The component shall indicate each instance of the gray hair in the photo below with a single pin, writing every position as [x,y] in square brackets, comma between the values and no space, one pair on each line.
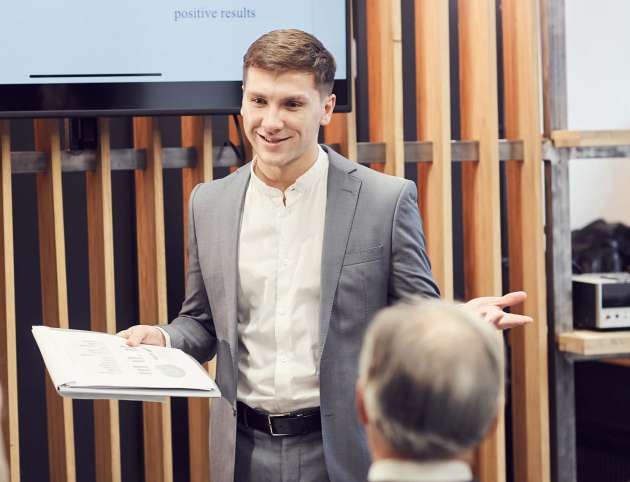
[432,376]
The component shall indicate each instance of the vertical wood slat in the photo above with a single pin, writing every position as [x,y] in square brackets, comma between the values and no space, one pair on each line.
[8,354]
[197,132]
[434,125]
[385,81]
[54,293]
[530,391]
[342,129]
[102,299]
[158,454]
[480,182]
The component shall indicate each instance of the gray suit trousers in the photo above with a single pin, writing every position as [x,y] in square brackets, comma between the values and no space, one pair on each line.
[263,458]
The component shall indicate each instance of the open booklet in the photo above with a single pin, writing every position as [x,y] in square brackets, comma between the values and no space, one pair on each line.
[88,364]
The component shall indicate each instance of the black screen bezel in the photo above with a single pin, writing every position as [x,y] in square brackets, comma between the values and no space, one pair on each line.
[143,98]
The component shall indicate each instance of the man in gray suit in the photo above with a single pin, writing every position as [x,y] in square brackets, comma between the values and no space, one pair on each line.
[289,259]
[430,381]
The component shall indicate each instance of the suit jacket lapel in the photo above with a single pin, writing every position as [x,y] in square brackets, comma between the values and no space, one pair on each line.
[342,196]
[229,226]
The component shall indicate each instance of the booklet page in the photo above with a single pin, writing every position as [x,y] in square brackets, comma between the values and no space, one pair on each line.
[92,359]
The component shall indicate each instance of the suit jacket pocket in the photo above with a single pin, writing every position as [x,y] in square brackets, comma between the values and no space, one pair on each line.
[363,255]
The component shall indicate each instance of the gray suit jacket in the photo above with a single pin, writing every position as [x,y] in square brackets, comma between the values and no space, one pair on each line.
[373,255]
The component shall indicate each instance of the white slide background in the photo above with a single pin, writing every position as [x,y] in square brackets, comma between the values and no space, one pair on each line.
[184,40]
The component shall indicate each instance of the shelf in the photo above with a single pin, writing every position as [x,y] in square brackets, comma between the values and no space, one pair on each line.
[594,343]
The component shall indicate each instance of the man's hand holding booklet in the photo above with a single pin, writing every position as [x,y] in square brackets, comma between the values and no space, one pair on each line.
[87,364]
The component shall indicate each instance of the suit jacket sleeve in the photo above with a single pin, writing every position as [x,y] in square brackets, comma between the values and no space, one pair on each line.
[410,266]
[193,329]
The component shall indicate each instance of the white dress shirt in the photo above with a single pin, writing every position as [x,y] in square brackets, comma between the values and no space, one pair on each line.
[279,267]
[396,470]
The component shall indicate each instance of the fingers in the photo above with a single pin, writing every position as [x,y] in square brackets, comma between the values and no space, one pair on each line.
[505,301]
[134,335]
[512,299]
[510,320]
[494,316]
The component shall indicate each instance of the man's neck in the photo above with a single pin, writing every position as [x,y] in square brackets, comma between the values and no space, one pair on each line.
[283,177]
[382,451]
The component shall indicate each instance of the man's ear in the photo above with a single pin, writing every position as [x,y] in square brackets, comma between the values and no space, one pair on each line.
[329,107]
[361,411]
[243,97]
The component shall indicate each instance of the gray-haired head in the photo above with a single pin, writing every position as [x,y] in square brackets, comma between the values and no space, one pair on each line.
[431,378]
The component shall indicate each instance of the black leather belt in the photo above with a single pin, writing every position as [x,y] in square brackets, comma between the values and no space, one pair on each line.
[281,425]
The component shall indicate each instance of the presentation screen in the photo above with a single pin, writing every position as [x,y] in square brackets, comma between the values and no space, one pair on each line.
[80,57]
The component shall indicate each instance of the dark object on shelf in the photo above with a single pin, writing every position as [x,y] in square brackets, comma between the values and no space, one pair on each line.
[601,247]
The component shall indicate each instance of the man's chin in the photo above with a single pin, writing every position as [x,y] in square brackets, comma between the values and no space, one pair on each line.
[272,158]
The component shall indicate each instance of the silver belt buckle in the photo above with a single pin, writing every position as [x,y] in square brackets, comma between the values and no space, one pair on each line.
[270,425]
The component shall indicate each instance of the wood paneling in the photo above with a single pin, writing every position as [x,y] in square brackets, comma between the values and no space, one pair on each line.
[433,111]
[567,138]
[585,342]
[103,299]
[480,182]
[8,354]
[52,257]
[385,84]
[158,455]
[197,133]
[342,131]
[530,409]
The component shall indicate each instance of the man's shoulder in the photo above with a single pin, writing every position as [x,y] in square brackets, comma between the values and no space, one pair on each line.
[217,187]
[370,178]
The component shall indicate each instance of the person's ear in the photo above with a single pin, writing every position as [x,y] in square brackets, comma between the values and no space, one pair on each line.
[329,107]
[493,425]
[361,411]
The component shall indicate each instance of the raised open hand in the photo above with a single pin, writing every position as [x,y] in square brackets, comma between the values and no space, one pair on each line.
[490,308]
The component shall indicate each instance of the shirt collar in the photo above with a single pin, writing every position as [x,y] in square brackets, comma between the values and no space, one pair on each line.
[412,471]
[302,184]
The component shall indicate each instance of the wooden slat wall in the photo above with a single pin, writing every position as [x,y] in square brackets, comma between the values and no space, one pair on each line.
[103,299]
[197,133]
[8,356]
[433,112]
[158,455]
[480,181]
[385,81]
[479,122]
[530,408]
[54,293]
[342,131]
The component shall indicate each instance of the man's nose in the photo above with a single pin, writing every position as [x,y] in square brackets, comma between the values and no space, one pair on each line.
[271,119]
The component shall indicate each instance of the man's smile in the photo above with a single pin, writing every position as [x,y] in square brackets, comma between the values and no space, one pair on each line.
[272,140]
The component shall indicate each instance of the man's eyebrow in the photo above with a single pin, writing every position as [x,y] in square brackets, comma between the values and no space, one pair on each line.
[292,97]
[252,93]
[296,98]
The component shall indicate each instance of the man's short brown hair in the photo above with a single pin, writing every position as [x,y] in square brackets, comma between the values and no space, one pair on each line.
[292,50]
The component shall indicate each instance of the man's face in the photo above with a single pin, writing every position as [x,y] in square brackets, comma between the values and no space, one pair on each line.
[282,113]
